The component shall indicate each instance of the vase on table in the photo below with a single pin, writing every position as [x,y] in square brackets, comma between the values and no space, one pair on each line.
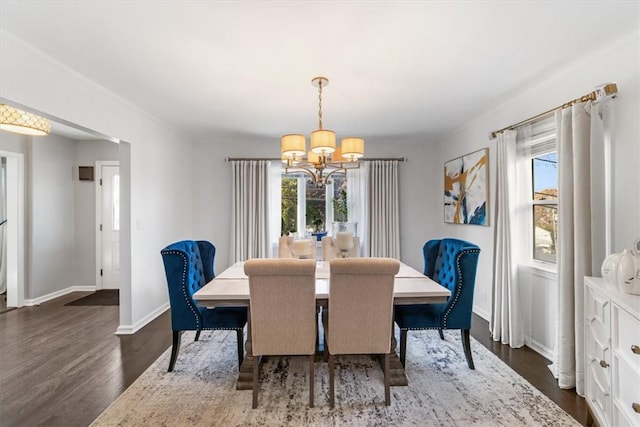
[343,237]
[303,245]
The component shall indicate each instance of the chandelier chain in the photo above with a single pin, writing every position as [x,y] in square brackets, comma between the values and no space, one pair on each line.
[320,104]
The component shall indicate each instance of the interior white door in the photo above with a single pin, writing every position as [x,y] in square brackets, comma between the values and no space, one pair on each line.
[110,227]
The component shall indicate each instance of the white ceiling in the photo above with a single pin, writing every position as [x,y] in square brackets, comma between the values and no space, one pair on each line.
[230,69]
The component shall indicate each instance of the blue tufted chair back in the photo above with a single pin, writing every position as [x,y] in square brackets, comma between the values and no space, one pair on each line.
[453,264]
[188,266]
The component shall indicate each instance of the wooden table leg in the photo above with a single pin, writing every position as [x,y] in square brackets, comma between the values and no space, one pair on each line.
[245,376]
[397,376]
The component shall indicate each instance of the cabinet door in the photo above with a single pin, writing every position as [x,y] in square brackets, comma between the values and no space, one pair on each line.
[598,354]
[626,364]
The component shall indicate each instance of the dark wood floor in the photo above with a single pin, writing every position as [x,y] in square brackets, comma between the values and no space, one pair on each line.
[62,365]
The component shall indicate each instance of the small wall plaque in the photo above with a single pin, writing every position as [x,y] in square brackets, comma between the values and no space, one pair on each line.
[85,173]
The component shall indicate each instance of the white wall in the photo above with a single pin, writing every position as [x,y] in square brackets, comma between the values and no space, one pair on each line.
[13,142]
[49,200]
[86,154]
[159,158]
[619,62]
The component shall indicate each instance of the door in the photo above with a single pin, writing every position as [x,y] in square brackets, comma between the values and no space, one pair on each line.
[110,226]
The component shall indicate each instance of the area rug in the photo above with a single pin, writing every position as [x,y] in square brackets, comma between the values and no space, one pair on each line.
[101,297]
[442,390]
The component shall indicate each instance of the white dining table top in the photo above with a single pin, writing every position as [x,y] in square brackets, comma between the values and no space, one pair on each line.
[233,285]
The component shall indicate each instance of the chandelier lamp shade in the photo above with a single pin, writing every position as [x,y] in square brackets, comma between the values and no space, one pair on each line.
[19,121]
[325,158]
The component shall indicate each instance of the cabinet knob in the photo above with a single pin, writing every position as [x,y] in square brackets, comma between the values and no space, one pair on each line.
[636,407]
[635,349]
[604,364]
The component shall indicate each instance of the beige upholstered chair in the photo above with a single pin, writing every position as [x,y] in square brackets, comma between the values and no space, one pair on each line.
[360,315]
[282,312]
[329,250]
[284,247]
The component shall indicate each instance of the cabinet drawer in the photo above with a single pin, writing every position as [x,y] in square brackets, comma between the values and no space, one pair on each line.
[620,419]
[598,315]
[626,334]
[626,389]
[598,391]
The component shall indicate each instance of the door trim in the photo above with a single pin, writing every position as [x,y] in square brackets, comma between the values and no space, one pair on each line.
[16,220]
[98,216]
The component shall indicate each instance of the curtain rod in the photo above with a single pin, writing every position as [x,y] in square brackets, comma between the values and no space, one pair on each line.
[368,159]
[607,90]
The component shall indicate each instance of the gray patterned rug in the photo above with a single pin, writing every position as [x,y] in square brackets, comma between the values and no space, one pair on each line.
[442,391]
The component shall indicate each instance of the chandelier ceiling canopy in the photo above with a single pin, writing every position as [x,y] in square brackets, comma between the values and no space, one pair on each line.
[324,158]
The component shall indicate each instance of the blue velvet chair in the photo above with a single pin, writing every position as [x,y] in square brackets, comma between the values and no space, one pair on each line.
[452,263]
[189,266]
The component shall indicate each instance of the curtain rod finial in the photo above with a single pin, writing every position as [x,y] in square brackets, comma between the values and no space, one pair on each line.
[605,91]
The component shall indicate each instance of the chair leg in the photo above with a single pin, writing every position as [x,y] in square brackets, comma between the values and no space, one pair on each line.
[331,382]
[175,348]
[312,375]
[441,334]
[198,334]
[240,339]
[466,344]
[403,345]
[256,381]
[387,391]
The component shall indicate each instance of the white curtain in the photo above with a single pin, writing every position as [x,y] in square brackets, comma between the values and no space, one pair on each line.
[573,126]
[275,207]
[357,204]
[3,227]
[506,320]
[249,210]
[384,211]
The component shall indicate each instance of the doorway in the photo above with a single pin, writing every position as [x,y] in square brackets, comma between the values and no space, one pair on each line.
[12,237]
[108,225]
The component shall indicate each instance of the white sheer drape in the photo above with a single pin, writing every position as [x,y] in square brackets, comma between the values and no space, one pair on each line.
[275,207]
[506,319]
[384,211]
[3,227]
[357,204]
[574,241]
[249,210]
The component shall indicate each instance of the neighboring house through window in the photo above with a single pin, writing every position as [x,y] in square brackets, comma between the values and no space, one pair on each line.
[538,170]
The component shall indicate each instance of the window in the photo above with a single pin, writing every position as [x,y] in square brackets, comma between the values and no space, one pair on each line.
[545,206]
[307,207]
[289,223]
[538,170]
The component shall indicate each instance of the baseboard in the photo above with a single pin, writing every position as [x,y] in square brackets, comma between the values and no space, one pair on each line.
[132,329]
[58,294]
[484,314]
[539,348]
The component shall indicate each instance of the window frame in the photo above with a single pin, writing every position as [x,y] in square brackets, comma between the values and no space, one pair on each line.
[542,202]
[301,189]
[534,140]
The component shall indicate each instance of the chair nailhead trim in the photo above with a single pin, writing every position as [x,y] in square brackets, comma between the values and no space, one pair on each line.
[456,296]
[184,287]
[459,287]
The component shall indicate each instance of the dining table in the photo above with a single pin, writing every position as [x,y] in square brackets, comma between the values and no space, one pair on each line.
[231,289]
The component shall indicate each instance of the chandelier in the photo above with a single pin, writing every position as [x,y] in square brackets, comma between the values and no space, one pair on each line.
[325,158]
[18,121]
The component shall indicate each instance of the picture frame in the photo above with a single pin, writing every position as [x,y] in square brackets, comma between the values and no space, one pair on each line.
[466,189]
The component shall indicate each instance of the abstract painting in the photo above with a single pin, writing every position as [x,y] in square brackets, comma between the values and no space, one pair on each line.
[466,189]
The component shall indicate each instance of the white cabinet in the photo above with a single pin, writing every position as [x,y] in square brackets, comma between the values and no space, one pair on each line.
[612,353]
